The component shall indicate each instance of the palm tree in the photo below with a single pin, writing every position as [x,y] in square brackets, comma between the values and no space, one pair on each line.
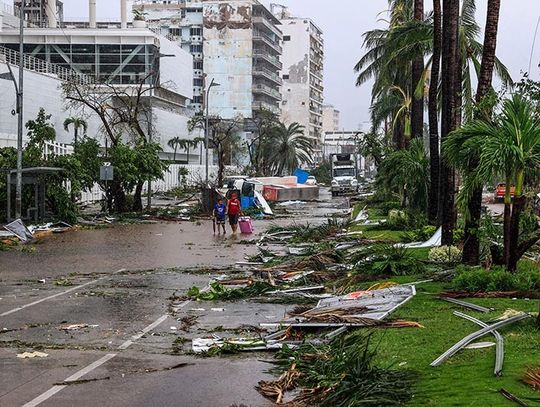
[288,148]
[391,51]
[78,124]
[175,143]
[417,77]
[433,115]
[507,147]
[471,248]
[450,92]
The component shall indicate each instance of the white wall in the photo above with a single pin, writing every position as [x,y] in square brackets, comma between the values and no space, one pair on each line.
[177,70]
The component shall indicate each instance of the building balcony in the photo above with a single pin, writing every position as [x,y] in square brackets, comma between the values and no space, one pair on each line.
[264,22]
[259,36]
[259,105]
[259,54]
[266,90]
[316,73]
[268,74]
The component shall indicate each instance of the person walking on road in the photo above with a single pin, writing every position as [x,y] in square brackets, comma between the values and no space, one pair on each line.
[219,216]
[234,210]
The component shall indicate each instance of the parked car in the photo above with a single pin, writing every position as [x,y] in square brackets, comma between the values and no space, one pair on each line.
[500,192]
[311,180]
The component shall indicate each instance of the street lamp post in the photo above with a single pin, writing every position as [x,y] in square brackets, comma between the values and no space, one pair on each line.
[18,193]
[207,127]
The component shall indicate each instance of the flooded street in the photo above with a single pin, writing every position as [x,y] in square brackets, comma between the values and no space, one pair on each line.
[107,307]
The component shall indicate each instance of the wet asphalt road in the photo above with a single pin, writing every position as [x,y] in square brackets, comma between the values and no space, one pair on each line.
[125,284]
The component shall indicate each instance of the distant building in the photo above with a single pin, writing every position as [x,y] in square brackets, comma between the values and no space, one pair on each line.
[37,12]
[331,119]
[241,51]
[303,56]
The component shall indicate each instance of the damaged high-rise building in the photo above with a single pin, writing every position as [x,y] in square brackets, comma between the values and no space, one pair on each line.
[236,43]
[303,57]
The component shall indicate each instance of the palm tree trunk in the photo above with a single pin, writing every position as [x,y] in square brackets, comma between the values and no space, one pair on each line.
[450,91]
[174,154]
[433,114]
[513,229]
[187,154]
[471,249]
[506,221]
[417,108]
[76,134]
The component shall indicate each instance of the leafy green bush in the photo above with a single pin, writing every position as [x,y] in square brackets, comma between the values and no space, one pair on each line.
[445,254]
[496,279]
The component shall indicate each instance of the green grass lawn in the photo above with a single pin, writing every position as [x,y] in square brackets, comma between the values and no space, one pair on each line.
[467,378]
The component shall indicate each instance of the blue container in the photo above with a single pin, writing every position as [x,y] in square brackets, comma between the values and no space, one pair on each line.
[247,202]
[301,175]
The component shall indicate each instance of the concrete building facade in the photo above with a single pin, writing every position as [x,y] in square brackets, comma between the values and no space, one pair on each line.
[331,119]
[303,59]
[236,43]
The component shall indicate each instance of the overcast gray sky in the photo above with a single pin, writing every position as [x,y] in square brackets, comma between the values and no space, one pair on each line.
[344,22]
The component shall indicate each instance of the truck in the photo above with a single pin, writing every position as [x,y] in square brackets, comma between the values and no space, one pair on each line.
[344,174]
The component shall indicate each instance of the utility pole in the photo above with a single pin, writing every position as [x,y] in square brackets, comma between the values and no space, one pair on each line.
[20,111]
[207,127]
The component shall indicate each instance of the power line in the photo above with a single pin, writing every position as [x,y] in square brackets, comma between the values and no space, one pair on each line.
[533,44]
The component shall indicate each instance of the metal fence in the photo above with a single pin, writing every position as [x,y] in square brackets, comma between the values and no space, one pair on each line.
[171,179]
[33,64]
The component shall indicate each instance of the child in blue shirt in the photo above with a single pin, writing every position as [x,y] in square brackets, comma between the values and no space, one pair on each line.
[219,216]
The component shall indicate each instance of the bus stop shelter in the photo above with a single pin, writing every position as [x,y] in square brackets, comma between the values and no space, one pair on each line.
[31,176]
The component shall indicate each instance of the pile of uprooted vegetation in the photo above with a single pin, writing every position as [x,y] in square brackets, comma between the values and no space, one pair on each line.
[342,373]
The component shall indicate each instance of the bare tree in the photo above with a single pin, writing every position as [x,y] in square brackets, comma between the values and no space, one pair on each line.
[223,138]
[125,112]
[263,123]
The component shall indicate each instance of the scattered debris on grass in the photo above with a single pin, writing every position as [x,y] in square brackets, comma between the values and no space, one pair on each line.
[532,377]
[509,396]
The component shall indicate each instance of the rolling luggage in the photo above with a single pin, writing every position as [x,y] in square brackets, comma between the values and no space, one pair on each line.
[246,225]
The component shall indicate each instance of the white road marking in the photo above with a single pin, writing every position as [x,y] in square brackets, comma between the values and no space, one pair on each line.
[134,338]
[56,295]
[55,389]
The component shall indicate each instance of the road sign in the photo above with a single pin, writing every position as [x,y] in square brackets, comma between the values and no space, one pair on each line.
[106,173]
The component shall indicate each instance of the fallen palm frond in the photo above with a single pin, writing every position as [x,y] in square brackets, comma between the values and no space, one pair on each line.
[342,373]
[310,233]
[334,315]
[218,291]
[319,261]
[532,377]
[275,390]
